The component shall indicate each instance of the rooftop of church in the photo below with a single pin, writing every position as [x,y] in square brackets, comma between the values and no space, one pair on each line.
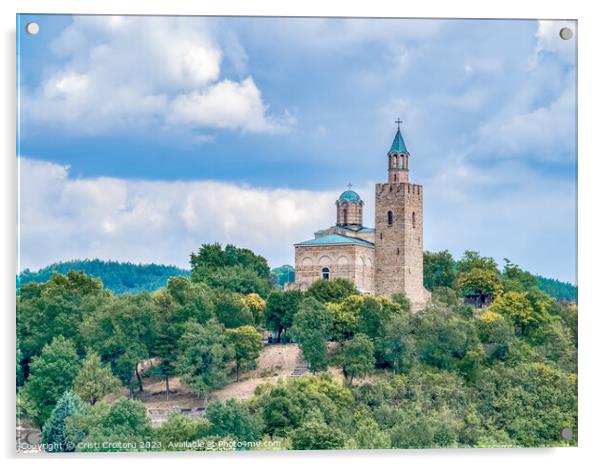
[337,239]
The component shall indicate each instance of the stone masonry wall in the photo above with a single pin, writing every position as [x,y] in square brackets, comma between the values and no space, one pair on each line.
[352,262]
[399,246]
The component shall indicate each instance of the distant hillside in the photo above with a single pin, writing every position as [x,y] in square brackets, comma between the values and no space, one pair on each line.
[117,277]
[557,289]
[128,277]
[283,274]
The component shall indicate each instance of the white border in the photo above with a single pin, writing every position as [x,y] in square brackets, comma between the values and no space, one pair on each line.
[590,156]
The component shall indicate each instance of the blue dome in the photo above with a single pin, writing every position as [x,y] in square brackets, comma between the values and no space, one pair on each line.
[350,195]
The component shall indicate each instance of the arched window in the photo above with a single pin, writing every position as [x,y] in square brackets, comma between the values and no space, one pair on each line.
[390,217]
[325,274]
[413,220]
[344,216]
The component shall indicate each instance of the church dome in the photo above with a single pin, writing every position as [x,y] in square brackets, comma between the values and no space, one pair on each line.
[350,195]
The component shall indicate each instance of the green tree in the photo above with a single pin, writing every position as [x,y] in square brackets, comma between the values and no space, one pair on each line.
[472,260]
[374,314]
[402,300]
[313,326]
[52,373]
[122,332]
[20,373]
[180,302]
[315,434]
[334,291]
[232,419]
[52,309]
[484,284]
[514,278]
[525,312]
[121,426]
[205,352]
[287,404]
[231,310]
[346,316]
[357,357]
[398,346]
[234,269]
[368,435]
[247,344]
[447,340]
[497,334]
[256,306]
[438,270]
[280,309]
[532,402]
[179,429]
[54,435]
[94,380]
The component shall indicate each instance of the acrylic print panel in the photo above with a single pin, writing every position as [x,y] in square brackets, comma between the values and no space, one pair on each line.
[252,233]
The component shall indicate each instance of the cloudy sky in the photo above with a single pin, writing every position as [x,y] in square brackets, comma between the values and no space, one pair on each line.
[143,137]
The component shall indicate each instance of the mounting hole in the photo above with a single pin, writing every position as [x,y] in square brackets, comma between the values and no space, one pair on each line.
[32,28]
[566,433]
[566,33]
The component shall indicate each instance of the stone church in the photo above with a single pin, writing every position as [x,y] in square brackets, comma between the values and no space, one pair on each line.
[383,260]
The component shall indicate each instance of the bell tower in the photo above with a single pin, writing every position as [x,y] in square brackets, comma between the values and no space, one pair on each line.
[399,158]
[398,246]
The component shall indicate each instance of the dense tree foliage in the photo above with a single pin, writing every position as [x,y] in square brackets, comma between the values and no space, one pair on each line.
[231,268]
[438,269]
[232,419]
[116,276]
[204,351]
[455,374]
[55,308]
[312,326]
[357,357]
[557,289]
[334,291]
[122,332]
[94,380]
[52,373]
[280,309]
[121,426]
[247,343]
[54,436]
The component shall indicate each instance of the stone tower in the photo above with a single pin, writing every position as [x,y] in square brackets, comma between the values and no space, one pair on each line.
[398,236]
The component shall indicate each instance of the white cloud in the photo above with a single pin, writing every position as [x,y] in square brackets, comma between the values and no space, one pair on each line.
[549,40]
[137,71]
[153,221]
[545,133]
[511,212]
[226,104]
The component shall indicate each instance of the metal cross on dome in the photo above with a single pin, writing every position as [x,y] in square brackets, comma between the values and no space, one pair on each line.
[349,185]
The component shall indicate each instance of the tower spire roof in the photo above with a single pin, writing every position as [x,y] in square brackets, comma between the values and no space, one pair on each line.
[399,144]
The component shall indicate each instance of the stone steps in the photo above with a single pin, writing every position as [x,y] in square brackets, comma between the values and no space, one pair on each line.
[301,368]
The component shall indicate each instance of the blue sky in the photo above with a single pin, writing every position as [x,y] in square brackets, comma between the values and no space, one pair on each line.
[142,137]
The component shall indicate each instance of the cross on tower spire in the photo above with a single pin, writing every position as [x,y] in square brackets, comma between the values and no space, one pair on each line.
[399,122]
